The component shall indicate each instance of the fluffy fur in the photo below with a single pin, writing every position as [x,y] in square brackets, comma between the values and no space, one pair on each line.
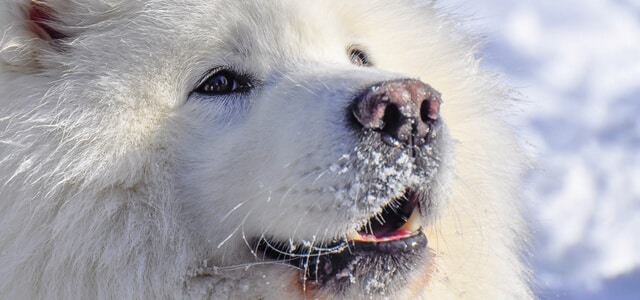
[118,182]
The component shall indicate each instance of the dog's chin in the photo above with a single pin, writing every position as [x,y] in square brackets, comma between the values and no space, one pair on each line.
[376,258]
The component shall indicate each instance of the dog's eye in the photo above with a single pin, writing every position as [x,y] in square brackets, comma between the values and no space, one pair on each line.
[359,57]
[224,82]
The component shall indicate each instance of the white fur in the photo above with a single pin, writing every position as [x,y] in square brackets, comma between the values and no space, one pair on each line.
[117,183]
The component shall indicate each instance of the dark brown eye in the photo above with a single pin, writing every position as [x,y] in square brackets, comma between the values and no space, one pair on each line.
[224,82]
[359,57]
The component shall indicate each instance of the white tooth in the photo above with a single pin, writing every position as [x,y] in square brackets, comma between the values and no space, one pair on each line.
[414,222]
[353,235]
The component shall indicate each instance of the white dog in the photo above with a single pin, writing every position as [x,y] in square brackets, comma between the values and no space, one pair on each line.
[245,149]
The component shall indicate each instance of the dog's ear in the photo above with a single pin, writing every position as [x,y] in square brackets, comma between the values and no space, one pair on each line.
[43,20]
[33,31]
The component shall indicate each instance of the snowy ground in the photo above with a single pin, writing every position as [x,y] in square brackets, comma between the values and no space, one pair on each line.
[576,64]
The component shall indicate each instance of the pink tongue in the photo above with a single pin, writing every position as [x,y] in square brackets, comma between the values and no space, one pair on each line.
[386,236]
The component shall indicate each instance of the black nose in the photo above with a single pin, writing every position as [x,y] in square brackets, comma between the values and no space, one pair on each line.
[403,111]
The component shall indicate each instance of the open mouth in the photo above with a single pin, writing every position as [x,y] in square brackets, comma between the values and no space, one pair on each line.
[398,220]
[390,237]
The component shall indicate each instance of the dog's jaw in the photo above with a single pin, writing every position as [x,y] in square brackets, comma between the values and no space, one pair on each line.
[374,260]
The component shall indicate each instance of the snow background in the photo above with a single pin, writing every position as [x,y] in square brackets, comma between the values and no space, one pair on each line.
[576,65]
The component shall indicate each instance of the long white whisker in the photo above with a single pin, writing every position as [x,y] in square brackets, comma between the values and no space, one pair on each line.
[228,237]
[232,210]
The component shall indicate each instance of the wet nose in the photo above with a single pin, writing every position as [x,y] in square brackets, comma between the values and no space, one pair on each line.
[403,111]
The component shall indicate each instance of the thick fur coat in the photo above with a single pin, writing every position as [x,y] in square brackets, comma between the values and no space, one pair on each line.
[122,176]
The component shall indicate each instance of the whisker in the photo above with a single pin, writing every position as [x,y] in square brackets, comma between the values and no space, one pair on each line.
[232,210]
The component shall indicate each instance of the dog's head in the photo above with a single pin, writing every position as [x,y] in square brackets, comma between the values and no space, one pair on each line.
[308,152]
[304,143]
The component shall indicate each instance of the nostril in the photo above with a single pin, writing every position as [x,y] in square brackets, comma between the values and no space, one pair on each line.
[392,123]
[392,118]
[425,111]
[429,110]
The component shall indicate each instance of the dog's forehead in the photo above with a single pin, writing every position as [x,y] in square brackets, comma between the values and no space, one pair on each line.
[238,31]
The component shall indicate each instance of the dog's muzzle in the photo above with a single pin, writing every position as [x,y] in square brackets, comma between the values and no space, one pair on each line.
[395,119]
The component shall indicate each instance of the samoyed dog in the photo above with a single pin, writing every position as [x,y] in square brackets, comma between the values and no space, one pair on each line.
[285,149]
